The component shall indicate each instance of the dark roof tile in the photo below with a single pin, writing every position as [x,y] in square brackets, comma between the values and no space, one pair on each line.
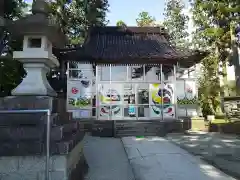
[132,45]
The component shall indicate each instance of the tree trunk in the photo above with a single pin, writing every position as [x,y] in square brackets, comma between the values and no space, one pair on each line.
[235,58]
[225,81]
[218,109]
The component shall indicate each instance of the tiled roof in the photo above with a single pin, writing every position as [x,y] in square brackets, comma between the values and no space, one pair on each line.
[130,45]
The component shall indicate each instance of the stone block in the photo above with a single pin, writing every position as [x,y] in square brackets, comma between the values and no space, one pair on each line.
[67,144]
[32,163]
[28,102]
[58,175]
[21,133]
[59,163]
[54,175]
[59,132]
[22,148]
[14,120]
[80,170]
[75,156]
[20,176]
[8,165]
[62,167]
[103,128]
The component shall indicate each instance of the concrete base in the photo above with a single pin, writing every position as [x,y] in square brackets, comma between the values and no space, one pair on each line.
[62,167]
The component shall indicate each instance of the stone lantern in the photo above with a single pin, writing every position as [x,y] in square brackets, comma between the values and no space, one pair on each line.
[39,33]
[33,115]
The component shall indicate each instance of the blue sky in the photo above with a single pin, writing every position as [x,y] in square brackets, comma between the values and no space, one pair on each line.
[128,10]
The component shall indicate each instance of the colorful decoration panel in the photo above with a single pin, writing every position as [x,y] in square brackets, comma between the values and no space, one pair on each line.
[186,92]
[79,94]
[161,100]
[186,97]
[111,98]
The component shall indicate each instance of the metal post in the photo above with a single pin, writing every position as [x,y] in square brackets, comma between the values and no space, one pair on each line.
[68,70]
[97,97]
[48,143]
[174,94]
[185,95]
[162,86]
[110,118]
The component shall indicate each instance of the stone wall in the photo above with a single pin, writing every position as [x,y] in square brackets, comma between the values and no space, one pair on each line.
[33,167]
[23,141]
[232,107]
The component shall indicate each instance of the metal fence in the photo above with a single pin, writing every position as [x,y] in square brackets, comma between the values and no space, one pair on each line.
[48,112]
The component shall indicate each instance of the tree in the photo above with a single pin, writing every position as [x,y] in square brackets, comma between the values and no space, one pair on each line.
[214,21]
[121,23]
[144,19]
[11,71]
[176,22]
[75,19]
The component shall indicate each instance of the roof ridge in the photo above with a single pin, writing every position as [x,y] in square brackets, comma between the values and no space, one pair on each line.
[128,30]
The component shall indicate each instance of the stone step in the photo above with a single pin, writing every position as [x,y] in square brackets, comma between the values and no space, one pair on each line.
[135,128]
[22,148]
[34,132]
[59,132]
[137,134]
[27,147]
[10,119]
[66,144]
[21,133]
[22,119]
[103,128]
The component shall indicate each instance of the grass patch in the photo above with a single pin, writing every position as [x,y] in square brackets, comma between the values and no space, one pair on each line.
[220,121]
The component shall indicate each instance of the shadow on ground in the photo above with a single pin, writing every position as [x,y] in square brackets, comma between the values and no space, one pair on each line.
[222,151]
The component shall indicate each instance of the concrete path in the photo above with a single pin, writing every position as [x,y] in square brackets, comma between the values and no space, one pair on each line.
[158,159]
[107,159]
[222,150]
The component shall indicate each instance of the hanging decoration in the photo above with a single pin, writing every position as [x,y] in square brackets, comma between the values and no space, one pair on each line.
[186,94]
[110,100]
[78,95]
[161,100]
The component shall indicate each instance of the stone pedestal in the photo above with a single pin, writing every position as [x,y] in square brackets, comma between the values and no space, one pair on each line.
[23,141]
[37,63]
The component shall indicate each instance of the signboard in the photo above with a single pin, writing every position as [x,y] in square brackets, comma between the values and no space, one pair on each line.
[79,95]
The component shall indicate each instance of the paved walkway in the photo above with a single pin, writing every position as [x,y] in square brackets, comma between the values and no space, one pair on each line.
[107,159]
[219,149]
[158,159]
